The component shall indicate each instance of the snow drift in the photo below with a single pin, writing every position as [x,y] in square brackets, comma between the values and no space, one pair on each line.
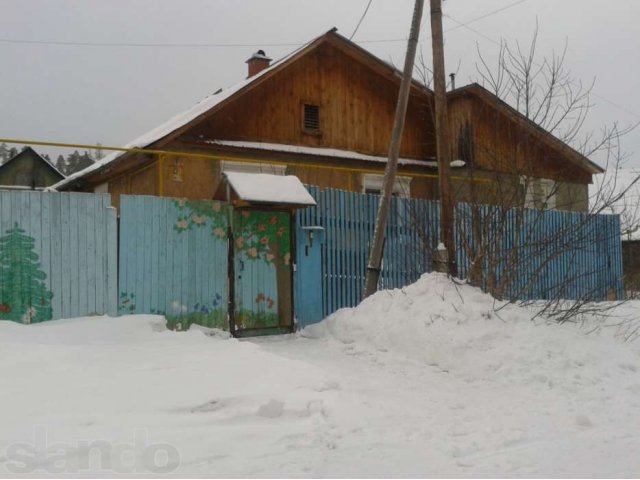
[433,380]
[467,333]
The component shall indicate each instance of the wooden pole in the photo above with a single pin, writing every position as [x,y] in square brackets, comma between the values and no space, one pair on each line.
[442,137]
[377,246]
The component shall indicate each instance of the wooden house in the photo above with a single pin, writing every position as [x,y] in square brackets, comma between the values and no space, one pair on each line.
[324,113]
[28,171]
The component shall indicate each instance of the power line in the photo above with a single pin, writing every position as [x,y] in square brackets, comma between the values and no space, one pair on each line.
[361,19]
[481,17]
[233,45]
[161,45]
[174,45]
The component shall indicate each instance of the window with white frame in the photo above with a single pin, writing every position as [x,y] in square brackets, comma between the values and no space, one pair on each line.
[372,183]
[245,167]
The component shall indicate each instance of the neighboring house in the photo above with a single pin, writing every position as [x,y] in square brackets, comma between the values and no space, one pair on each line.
[28,171]
[325,113]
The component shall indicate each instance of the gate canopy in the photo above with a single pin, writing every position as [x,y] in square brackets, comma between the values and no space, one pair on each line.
[262,188]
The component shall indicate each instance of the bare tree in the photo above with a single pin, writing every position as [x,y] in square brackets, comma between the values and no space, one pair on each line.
[501,227]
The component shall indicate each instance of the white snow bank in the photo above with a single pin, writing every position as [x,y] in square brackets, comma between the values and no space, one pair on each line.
[122,380]
[468,334]
[427,381]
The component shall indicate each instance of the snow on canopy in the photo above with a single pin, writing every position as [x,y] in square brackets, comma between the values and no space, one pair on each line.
[266,188]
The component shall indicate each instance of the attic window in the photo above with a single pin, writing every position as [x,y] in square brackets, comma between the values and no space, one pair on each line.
[311,120]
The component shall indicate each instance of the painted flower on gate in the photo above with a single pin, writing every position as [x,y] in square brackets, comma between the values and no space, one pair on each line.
[182,224]
[287,258]
[273,220]
[219,232]
[252,252]
[281,231]
[216,206]
[264,240]
[198,220]
[270,257]
[240,242]
[262,227]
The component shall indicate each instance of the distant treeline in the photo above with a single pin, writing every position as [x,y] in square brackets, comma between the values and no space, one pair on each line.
[67,165]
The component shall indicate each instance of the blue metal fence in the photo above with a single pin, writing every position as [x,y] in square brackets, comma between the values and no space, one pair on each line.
[525,255]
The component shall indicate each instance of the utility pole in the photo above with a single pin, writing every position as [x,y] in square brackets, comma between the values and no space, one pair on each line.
[375,255]
[442,138]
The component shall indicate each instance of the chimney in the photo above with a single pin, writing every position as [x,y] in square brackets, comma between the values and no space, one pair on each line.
[452,76]
[258,62]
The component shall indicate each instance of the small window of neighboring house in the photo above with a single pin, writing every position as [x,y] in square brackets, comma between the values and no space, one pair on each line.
[311,118]
[253,168]
[372,183]
[539,192]
[102,188]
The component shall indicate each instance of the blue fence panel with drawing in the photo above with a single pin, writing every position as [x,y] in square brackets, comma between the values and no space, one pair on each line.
[58,255]
[174,259]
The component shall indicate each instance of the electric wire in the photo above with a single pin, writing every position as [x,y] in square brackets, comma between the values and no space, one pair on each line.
[361,19]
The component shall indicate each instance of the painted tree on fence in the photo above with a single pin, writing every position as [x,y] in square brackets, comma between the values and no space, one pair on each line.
[260,236]
[24,296]
[266,236]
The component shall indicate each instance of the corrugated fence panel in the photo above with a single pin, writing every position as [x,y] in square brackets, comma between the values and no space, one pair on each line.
[526,254]
[56,253]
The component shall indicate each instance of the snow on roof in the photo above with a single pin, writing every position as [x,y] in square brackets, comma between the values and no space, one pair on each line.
[179,120]
[322,152]
[263,187]
[618,192]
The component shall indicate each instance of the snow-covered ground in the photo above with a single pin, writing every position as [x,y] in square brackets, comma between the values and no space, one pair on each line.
[425,381]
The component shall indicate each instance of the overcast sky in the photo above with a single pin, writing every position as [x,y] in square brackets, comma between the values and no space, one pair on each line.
[111,94]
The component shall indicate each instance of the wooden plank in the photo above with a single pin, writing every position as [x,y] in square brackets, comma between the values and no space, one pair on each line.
[154,206]
[81,221]
[74,256]
[139,240]
[125,265]
[91,254]
[147,221]
[183,260]
[45,244]
[99,207]
[112,256]
[161,240]
[33,225]
[170,287]
[56,254]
